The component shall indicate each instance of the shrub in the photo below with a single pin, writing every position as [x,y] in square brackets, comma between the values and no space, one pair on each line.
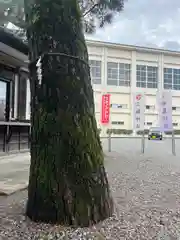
[119,131]
[140,132]
[176,132]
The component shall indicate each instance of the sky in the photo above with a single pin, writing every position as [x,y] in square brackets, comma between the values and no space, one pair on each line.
[153,23]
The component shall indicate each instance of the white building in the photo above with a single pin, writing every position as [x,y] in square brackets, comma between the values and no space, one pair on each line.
[121,70]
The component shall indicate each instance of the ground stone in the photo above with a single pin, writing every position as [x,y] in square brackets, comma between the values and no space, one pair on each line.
[146,194]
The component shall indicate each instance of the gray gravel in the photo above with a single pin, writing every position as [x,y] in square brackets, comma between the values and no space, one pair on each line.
[146,192]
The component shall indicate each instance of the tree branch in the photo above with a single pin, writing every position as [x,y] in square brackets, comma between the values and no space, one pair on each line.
[88,11]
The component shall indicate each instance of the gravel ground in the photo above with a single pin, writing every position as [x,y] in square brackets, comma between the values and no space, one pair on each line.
[147,204]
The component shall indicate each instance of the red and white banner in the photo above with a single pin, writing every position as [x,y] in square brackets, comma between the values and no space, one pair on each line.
[105,111]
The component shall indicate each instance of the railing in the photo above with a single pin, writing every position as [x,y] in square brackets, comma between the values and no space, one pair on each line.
[14,136]
[141,144]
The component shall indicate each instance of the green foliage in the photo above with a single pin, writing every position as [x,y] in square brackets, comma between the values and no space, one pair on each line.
[95,13]
[119,131]
[140,132]
[176,132]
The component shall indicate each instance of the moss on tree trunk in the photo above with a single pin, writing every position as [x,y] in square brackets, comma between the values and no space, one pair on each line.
[68,182]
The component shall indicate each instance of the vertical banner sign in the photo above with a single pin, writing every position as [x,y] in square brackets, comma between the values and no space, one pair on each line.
[165,111]
[139,111]
[105,111]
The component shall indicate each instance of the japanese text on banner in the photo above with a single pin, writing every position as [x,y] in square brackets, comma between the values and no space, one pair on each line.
[138,116]
[105,108]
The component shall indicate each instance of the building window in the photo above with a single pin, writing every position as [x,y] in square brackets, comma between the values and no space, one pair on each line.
[174,108]
[176,79]
[3,100]
[95,69]
[12,93]
[150,107]
[149,123]
[118,74]
[168,76]
[171,78]
[123,106]
[117,122]
[22,90]
[146,76]
[7,75]
[175,124]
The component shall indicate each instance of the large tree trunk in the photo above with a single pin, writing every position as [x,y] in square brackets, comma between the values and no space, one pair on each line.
[68,182]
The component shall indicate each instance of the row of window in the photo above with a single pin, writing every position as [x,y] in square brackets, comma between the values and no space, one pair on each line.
[147,123]
[119,74]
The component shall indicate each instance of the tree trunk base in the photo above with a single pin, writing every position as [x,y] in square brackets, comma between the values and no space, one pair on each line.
[82,205]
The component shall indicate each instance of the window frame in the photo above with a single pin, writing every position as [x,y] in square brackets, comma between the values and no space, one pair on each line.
[7,99]
[143,76]
[118,106]
[22,117]
[173,85]
[117,123]
[95,79]
[7,75]
[122,69]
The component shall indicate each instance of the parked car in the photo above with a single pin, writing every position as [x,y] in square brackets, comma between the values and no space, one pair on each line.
[155,133]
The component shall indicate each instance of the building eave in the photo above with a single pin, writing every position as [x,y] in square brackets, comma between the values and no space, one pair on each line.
[12,49]
[12,41]
[132,47]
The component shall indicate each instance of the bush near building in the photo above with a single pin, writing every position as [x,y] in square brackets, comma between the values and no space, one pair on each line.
[176,132]
[119,131]
[129,132]
[146,131]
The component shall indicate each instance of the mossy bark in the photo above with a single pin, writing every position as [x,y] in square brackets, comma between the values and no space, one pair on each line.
[68,182]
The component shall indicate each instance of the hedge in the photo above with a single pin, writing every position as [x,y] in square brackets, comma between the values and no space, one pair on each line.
[176,132]
[119,131]
[140,132]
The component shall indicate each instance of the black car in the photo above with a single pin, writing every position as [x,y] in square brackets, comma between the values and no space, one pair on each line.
[155,133]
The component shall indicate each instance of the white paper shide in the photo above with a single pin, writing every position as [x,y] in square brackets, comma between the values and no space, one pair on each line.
[139,111]
[39,70]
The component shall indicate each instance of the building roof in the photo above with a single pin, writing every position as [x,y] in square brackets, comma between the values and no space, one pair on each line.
[12,41]
[132,47]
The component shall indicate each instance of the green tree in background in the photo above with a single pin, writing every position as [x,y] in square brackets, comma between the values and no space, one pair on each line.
[95,13]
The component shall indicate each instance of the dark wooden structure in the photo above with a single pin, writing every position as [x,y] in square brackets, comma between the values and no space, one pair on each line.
[14,94]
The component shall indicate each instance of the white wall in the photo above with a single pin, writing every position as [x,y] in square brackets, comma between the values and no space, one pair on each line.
[123,95]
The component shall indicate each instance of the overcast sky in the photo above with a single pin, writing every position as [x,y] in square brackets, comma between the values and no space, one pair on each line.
[146,23]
